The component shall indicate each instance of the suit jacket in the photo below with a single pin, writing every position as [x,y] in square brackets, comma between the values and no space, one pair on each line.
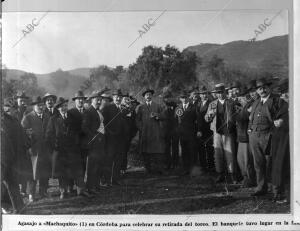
[90,124]
[203,125]
[39,146]
[113,120]
[187,122]
[20,113]
[229,115]
[55,112]
[75,124]
[273,106]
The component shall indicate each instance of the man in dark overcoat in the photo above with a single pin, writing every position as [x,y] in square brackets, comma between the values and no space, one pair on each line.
[35,123]
[62,143]
[114,136]
[204,134]
[11,143]
[280,147]
[93,128]
[78,162]
[186,116]
[149,120]
[130,129]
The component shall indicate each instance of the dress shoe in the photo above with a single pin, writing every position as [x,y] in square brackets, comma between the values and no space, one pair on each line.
[258,193]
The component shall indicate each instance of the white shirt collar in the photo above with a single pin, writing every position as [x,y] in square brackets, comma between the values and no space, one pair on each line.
[263,100]
[222,101]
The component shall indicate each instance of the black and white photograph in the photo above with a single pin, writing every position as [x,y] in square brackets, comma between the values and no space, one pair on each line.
[148,112]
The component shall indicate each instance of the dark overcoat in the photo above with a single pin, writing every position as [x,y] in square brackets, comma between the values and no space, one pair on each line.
[66,151]
[280,147]
[114,129]
[151,129]
[187,122]
[39,151]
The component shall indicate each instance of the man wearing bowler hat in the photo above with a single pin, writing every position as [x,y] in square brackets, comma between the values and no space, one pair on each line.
[114,136]
[151,136]
[204,134]
[50,100]
[93,128]
[35,123]
[220,114]
[261,122]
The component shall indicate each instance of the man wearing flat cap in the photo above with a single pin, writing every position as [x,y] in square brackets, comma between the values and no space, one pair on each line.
[151,136]
[220,114]
[93,128]
[114,136]
[261,122]
[35,123]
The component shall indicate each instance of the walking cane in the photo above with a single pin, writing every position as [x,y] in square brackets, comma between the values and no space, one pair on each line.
[112,172]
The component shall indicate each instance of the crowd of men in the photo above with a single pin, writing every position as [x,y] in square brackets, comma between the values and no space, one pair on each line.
[240,133]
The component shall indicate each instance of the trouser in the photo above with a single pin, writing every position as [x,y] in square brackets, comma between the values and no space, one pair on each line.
[126,148]
[95,164]
[172,151]
[188,152]
[43,186]
[224,150]
[259,148]
[245,161]
[84,156]
[206,153]
[11,187]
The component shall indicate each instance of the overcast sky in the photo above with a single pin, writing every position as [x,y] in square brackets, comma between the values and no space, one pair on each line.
[70,40]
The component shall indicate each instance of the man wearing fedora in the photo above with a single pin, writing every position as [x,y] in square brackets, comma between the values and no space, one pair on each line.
[186,116]
[261,123]
[75,116]
[35,123]
[151,136]
[220,114]
[204,134]
[114,136]
[22,109]
[280,148]
[93,128]
[62,144]
[50,100]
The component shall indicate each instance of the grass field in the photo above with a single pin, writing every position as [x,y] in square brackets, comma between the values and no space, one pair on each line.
[170,194]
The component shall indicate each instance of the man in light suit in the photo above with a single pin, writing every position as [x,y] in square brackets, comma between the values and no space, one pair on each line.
[35,123]
[221,114]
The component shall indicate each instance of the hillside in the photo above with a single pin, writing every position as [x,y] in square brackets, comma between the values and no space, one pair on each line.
[269,55]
